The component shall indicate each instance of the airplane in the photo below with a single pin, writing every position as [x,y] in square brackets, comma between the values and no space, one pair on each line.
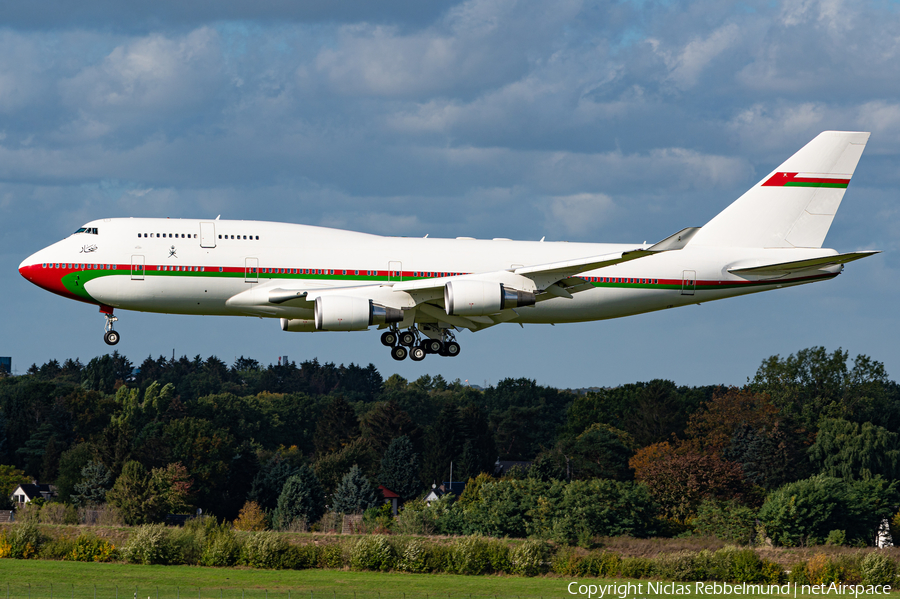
[421,291]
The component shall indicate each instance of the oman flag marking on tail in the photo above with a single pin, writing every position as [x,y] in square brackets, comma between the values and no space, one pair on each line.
[806,180]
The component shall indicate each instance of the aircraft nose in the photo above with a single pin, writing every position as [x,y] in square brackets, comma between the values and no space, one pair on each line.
[25,267]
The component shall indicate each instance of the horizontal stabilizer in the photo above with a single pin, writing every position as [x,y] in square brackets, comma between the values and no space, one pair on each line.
[786,268]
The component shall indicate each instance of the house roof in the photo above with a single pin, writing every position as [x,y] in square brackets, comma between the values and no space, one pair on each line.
[387,493]
[33,491]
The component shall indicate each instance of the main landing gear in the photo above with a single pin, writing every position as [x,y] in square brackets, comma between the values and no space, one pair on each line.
[412,344]
[110,336]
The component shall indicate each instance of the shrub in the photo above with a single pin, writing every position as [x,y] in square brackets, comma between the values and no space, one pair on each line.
[799,574]
[836,537]
[251,517]
[470,556]
[636,567]
[438,559]
[58,513]
[412,556]
[58,548]
[331,555]
[676,566]
[726,520]
[187,545]
[415,519]
[263,550]
[22,540]
[379,518]
[372,553]
[807,510]
[746,566]
[300,557]
[528,558]
[824,569]
[591,508]
[151,544]
[89,548]
[499,556]
[221,548]
[878,569]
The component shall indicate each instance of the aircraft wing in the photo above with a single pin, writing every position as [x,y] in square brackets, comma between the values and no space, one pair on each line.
[558,278]
[426,296]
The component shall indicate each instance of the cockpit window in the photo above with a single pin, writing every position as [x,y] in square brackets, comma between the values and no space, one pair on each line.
[89,230]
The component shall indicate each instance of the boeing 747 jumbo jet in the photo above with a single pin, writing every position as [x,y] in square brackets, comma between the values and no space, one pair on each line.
[422,291]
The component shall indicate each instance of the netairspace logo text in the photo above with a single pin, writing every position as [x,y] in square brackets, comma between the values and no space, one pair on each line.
[627,590]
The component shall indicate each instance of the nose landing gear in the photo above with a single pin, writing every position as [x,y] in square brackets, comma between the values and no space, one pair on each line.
[110,336]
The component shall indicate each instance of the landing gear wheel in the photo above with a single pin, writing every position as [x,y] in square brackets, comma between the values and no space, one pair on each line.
[433,346]
[399,353]
[111,337]
[417,354]
[389,338]
[451,349]
[407,338]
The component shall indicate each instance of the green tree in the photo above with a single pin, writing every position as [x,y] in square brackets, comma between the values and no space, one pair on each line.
[302,497]
[171,491]
[10,478]
[131,494]
[855,451]
[270,480]
[769,457]
[355,493]
[332,467]
[337,426]
[95,481]
[400,469]
[104,373]
[813,383]
[806,511]
[602,451]
[71,463]
[385,422]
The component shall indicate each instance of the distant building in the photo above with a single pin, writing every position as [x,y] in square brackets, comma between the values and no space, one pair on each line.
[6,364]
[456,487]
[390,498]
[28,492]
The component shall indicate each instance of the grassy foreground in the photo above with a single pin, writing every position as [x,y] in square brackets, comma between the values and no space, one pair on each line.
[38,579]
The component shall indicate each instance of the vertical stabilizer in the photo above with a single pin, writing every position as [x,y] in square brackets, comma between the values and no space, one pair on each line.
[794,205]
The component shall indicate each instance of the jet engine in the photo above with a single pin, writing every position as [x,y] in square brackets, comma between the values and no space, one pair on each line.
[344,313]
[478,298]
[298,325]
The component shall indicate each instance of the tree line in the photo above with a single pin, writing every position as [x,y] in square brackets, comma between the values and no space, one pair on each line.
[300,440]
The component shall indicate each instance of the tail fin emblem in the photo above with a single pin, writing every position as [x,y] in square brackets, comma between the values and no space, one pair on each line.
[793,180]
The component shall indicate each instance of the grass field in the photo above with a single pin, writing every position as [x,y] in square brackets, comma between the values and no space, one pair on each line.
[36,579]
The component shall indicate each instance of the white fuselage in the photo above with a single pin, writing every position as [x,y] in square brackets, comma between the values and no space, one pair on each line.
[187,266]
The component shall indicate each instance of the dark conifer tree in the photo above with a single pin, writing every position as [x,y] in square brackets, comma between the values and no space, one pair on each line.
[400,469]
[355,493]
[302,497]
[337,426]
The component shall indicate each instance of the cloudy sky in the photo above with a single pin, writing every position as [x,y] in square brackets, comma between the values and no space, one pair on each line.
[618,121]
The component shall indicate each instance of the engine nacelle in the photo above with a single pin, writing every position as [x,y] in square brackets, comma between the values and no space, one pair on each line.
[478,298]
[298,325]
[346,313]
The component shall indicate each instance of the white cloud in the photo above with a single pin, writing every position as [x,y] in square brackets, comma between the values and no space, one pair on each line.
[687,65]
[148,77]
[578,214]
